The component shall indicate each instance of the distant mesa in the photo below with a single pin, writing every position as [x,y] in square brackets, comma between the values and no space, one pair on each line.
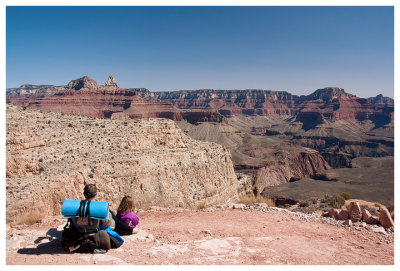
[381,101]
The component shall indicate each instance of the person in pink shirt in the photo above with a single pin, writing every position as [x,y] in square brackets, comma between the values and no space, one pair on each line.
[126,213]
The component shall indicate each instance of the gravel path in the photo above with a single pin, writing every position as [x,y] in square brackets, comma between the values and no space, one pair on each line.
[242,235]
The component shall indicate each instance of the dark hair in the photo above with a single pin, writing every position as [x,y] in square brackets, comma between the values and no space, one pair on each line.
[90,191]
[126,205]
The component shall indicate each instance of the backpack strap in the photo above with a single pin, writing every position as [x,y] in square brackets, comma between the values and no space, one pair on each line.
[88,212]
[84,210]
[68,223]
[81,210]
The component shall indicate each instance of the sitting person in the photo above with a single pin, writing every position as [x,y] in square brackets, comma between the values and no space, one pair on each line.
[84,234]
[126,214]
[85,225]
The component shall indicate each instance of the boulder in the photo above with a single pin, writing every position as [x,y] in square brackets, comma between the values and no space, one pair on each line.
[384,218]
[343,215]
[366,215]
[368,218]
[333,213]
[355,214]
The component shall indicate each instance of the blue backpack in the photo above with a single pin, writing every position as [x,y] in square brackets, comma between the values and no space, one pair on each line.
[85,215]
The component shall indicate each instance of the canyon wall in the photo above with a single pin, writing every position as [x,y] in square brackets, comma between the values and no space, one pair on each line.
[329,104]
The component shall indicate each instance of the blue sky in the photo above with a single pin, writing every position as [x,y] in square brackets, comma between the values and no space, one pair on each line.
[295,49]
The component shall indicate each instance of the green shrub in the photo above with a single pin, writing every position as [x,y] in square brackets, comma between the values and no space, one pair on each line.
[250,199]
[337,202]
[28,218]
[346,195]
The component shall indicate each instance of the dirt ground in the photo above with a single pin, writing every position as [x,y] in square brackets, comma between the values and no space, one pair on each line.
[226,236]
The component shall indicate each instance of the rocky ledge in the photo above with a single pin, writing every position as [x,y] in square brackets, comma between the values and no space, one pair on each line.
[51,156]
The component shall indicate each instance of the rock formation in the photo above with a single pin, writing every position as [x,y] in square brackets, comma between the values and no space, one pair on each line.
[384,217]
[269,162]
[368,218]
[33,90]
[274,136]
[83,83]
[111,81]
[51,156]
[355,214]
[343,215]
[85,97]
[328,104]
[332,103]
[381,101]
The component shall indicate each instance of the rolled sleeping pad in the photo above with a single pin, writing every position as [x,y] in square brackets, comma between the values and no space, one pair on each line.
[98,209]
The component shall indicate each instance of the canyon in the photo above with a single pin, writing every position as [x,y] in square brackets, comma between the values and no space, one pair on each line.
[195,162]
[275,138]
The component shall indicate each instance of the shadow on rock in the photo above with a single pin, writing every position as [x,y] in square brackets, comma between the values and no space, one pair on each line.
[52,247]
[55,233]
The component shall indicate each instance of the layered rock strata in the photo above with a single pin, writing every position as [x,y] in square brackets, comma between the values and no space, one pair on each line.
[86,97]
[330,104]
[51,156]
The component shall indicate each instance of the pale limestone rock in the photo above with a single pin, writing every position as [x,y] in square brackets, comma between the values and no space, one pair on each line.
[111,81]
[380,230]
[238,206]
[150,159]
[13,244]
[107,259]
